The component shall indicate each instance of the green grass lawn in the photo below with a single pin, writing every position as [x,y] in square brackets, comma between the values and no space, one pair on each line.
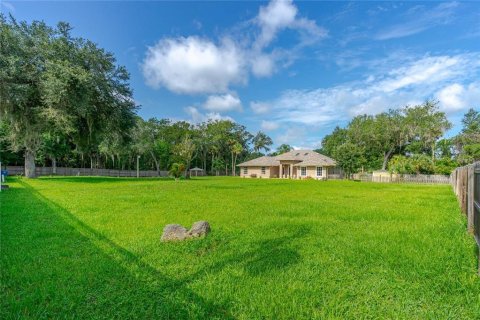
[90,248]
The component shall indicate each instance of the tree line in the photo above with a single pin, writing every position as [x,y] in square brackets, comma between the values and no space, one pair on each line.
[406,140]
[160,144]
[65,101]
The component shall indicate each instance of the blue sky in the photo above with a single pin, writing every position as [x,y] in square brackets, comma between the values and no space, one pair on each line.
[292,69]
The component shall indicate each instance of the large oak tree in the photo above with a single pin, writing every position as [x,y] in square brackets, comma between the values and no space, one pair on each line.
[50,79]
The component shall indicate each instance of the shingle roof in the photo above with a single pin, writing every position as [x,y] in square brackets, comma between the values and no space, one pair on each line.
[312,158]
[264,161]
[306,158]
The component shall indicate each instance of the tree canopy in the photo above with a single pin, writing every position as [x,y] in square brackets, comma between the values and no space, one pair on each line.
[54,84]
[406,140]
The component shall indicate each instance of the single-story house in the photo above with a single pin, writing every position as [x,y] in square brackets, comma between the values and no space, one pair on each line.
[296,164]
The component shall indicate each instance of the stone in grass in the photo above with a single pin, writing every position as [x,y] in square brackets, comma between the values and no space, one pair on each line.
[199,229]
[173,232]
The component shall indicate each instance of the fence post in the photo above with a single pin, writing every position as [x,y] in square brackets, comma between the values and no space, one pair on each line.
[470,194]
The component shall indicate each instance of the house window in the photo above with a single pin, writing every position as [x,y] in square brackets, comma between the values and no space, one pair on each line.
[303,171]
[319,171]
[245,170]
[263,170]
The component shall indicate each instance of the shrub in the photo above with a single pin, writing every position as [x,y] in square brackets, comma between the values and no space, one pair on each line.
[445,165]
[176,170]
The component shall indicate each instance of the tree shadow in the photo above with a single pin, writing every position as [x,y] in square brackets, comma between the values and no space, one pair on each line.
[78,271]
[271,256]
[264,257]
[124,283]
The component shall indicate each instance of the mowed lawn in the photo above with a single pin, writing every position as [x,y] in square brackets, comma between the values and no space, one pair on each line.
[90,248]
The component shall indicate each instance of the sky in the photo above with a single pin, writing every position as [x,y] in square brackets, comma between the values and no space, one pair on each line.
[294,70]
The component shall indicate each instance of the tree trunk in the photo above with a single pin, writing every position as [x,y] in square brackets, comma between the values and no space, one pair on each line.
[386,157]
[204,156]
[213,158]
[234,173]
[30,164]
[157,165]
[54,165]
[187,167]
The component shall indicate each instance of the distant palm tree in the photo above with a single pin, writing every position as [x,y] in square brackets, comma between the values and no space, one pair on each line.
[283,148]
[237,148]
[261,141]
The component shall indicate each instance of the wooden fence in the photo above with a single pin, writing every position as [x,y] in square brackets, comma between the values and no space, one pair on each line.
[466,185]
[403,178]
[61,171]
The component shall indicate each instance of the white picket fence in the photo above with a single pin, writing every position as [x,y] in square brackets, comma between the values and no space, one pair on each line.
[403,178]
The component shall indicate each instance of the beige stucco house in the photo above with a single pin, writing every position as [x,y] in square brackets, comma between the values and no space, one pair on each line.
[296,164]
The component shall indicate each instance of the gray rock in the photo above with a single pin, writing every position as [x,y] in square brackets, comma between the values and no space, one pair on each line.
[173,232]
[199,228]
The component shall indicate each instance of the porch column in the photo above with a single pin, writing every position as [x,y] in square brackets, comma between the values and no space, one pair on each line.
[291,170]
[280,171]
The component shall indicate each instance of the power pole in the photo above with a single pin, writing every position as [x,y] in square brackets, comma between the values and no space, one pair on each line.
[138,167]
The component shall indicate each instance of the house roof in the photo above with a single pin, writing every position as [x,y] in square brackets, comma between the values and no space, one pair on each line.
[196,169]
[304,158]
[264,161]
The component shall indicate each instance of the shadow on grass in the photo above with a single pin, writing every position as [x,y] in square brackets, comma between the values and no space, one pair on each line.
[77,271]
[265,257]
[271,256]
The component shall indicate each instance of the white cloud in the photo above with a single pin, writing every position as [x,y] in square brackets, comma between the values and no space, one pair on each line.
[451,96]
[418,19]
[277,15]
[260,107]
[427,70]
[456,97]
[269,125]
[194,65]
[282,14]
[263,65]
[197,116]
[297,134]
[223,103]
[447,78]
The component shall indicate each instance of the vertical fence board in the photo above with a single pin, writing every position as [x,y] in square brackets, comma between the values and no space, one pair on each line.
[469,196]
[466,185]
